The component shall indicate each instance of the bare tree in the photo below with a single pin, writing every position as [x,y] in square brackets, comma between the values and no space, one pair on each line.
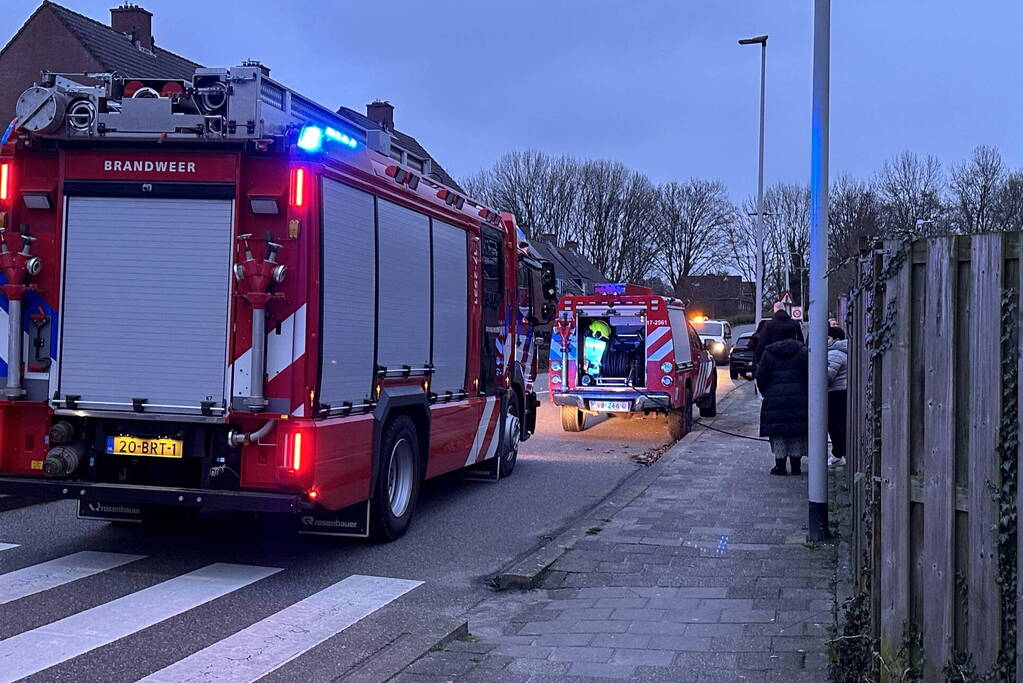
[739,243]
[689,233]
[909,189]
[787,238]
[539,189]
[614,222]
[1009,204]
[976,184]
[854,215]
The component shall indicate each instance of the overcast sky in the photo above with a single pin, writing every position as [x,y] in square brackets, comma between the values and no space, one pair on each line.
[659,85]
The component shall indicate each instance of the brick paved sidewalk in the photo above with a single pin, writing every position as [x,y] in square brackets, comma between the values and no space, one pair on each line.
[704,576]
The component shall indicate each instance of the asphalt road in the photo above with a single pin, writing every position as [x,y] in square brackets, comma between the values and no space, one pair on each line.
[99,608]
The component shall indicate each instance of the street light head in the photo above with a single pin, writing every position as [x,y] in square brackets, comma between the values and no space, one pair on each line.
[754,41]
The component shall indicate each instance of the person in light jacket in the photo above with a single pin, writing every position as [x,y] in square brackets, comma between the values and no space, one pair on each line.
[783,382]
[838,382]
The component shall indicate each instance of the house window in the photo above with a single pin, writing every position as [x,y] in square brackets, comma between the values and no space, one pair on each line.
[415,162]
[396,154]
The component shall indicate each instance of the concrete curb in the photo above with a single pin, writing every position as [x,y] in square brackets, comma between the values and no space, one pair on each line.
[529,571]
[397,655]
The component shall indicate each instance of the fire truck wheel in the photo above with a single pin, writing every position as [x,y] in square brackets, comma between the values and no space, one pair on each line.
[572,419]
[397,487]
[709,404]
[680,420]
[513,434]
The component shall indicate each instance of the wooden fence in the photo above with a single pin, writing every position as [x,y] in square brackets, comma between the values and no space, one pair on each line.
[934,362]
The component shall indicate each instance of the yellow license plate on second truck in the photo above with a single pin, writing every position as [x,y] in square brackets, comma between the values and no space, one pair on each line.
[156,448]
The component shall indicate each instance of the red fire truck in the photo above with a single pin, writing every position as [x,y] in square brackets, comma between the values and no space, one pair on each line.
[221,295]
[624,350]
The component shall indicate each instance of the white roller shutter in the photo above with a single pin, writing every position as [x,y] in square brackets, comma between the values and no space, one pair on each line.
[450,307]
[348,282]
[404,324]
[145,304]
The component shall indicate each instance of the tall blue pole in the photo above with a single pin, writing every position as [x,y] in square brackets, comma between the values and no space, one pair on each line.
[818,309]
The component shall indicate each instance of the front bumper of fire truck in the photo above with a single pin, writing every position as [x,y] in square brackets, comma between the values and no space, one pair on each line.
[640,401]
[205,499]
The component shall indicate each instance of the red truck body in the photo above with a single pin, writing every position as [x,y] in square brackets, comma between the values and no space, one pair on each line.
[275,317]
[625,349]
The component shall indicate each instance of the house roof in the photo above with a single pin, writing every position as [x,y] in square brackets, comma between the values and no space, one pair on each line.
[405,141]
[568,264]
[116,52]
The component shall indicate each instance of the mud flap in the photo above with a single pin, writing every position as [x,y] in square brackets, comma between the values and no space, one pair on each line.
[350,522]
[110,512]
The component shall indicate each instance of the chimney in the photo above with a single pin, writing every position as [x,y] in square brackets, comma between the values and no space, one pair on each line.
[134,21]
[382,112]
[572,245]
[549,238]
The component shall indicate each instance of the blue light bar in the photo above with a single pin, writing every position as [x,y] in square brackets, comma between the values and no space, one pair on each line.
[346,140]
[310,139]
[609,288]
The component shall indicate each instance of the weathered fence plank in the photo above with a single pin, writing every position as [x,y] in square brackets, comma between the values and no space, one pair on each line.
[1019,470]
[939,465]
[984,621]
[895,522]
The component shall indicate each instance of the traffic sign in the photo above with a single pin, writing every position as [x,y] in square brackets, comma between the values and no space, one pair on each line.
[797,312]
[786,298]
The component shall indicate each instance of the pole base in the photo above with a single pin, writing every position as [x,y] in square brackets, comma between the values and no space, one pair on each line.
[256,404]
[14,393]
[818,529]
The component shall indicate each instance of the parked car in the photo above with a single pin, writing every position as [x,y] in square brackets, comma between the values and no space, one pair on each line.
[716,336]
[740,360]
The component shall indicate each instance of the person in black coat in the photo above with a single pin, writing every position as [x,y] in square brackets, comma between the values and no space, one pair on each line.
[780,326]
[782,378]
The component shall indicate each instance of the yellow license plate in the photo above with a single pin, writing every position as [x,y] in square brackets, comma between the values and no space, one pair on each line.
[156,448]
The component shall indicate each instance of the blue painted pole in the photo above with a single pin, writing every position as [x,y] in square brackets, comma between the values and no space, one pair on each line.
[818,310]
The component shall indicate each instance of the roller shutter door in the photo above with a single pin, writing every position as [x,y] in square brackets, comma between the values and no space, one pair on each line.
[404,323]
[348,282]
[145,303]
[450,307]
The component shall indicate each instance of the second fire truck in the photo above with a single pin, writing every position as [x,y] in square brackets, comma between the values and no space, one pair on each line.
[218,294]
[624,350]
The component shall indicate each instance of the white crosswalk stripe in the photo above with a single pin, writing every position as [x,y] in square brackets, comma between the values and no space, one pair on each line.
[33,651]
[267,645]
[46,575]
[8,546]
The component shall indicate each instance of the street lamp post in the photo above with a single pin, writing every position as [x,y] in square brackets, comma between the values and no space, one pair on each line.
[818,393]
[759,310]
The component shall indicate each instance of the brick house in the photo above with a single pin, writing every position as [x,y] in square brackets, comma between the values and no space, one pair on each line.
[575,274]
[716,296]
[60,40]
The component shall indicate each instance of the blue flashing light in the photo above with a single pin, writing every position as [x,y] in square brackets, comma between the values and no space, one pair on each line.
[609,288]
[310,139]
[337,135]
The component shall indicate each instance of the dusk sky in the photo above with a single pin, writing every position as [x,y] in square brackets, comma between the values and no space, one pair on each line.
[661,86]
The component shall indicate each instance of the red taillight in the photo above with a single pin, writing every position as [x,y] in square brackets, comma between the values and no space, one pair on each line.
[297,186]
[5,181]
[132,87]
[296,451]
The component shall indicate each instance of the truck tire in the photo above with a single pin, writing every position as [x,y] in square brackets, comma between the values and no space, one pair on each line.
[709,403]
[394,497]
[572,419]
[512,436]
[680,420]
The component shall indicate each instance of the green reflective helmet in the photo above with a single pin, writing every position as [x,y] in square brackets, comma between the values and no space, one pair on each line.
[599,329]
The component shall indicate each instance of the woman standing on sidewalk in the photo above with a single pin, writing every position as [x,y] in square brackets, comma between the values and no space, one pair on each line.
[782,380]
[838,370]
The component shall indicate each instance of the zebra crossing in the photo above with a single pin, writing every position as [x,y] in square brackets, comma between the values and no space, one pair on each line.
[247,655]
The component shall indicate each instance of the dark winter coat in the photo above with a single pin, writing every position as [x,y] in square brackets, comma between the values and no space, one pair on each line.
[782,380]
[780,326]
